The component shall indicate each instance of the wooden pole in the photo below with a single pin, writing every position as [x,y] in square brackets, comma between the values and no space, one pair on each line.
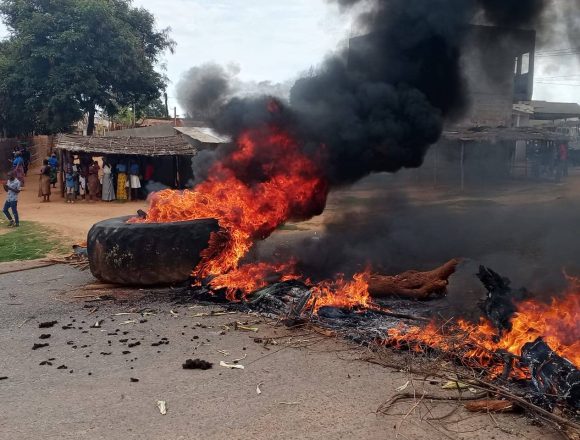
[435,151]
[462,166]
[175,116]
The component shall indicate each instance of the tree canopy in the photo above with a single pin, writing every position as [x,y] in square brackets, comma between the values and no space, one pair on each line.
[66,58]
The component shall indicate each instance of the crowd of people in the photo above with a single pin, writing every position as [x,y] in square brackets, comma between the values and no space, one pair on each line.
[111,179]
[84,178]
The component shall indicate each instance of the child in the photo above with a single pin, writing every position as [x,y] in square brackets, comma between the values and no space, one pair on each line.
[70,185]
[82,186]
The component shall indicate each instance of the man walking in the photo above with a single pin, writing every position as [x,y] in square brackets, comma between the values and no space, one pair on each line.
[12,187]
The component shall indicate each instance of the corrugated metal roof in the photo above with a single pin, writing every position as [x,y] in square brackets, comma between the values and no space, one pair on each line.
[487,134]
[555,110]
[205,135]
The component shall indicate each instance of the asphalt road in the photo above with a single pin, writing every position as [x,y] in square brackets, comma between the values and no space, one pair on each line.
[312,387]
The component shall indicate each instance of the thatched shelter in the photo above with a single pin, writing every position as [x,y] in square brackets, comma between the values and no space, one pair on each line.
[169,156]
[137,146]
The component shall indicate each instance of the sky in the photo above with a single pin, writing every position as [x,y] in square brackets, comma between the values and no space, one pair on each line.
[275,40]
[269,40]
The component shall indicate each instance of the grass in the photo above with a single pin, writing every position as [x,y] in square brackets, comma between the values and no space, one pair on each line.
[27,242]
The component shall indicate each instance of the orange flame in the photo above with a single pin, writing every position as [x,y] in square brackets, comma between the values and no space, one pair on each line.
[479,344]
[343,293]
[266,181]
[251,277]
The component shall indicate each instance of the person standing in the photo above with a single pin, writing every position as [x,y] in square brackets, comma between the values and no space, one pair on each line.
[108,185]
[53,162]
[135,183]
[44,181]
[18,167]
[12,187]
[70,184]
[93,181]
[121,181]
[26,158]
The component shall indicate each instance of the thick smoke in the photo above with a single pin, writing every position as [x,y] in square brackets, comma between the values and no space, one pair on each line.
[204,89]
[380,103]
[514,13]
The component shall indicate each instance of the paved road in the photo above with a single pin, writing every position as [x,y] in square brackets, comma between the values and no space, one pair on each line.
[315,392]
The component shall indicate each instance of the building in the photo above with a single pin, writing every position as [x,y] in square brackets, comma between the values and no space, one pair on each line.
[499,70]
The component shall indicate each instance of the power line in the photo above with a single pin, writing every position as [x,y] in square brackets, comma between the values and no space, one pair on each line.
[558,55]
[560,76]
[567,49]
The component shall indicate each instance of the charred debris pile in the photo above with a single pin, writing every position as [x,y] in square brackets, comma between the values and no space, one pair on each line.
[407,319]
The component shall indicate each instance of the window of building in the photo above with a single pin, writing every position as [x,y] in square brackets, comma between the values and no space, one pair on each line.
[525,63]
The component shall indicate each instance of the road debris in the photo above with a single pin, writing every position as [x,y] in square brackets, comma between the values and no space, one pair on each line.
[488,405]
[162,405]
[244,328]
[231,366]
[455,385]
[258,389]
[197,364]
[403,387]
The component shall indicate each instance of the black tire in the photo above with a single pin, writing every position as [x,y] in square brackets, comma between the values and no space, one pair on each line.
[147,253]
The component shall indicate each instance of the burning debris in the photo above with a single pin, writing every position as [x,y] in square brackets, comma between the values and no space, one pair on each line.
[530,344]
[375,107]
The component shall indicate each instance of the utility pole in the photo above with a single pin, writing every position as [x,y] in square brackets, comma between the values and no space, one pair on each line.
[166,106]
[175,116]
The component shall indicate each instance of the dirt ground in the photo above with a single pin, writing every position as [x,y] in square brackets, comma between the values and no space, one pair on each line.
[72,221]
[311,386]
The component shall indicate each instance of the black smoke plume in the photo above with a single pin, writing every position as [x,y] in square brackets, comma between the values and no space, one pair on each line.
[203,90]
[380,103]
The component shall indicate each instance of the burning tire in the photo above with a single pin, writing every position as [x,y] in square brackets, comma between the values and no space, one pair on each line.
[147,253]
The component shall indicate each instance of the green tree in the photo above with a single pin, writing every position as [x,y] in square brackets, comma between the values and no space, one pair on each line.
[154,109]
[65,58]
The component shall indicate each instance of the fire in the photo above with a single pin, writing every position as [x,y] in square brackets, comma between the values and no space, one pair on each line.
[343,293]
[266,181]
[251,277]
[557,323]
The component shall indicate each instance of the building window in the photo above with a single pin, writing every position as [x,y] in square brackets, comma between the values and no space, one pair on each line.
[525,63]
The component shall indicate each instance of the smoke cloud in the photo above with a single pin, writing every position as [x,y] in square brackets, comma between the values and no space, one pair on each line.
[202,90]
[379,104]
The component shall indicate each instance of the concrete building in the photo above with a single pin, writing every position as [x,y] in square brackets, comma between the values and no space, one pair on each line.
[499,69]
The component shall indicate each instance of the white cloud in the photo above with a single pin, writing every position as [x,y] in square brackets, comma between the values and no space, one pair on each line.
[269,40]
